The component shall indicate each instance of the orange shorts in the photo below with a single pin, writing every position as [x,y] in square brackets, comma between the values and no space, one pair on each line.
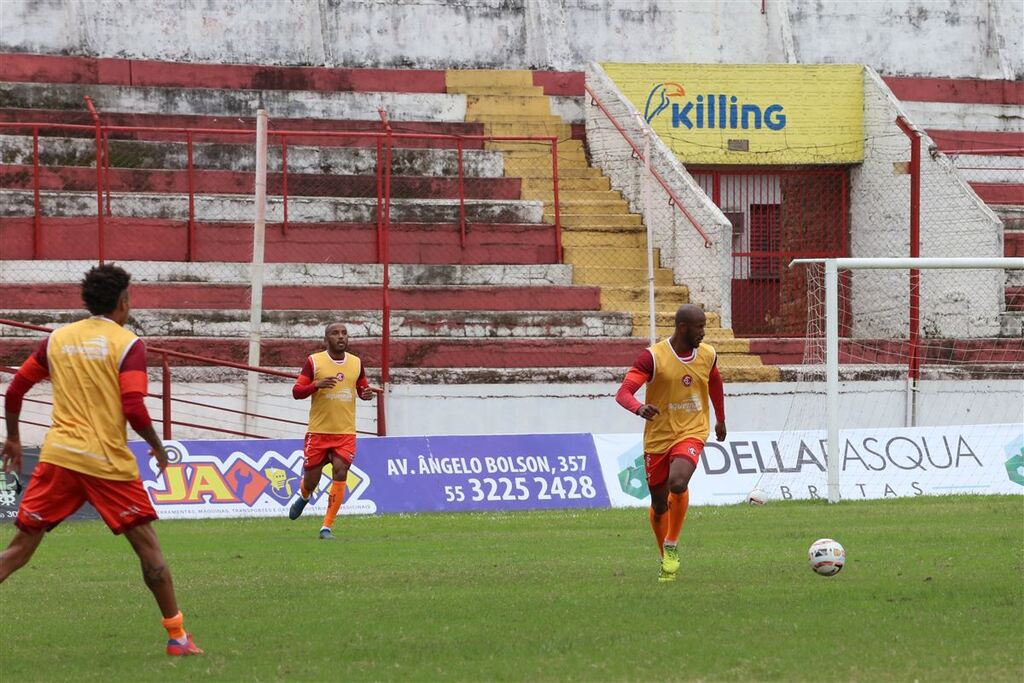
[657,464]
[318,447]
[55,493]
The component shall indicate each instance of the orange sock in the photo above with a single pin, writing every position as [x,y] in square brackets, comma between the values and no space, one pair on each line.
[175,626]
[660,525]
[303,491]
[334,500]
[678,504]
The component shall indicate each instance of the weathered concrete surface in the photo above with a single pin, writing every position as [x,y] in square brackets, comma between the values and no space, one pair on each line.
[914,37]
[17,149]
[307,325]
[63,271]
[300,209]
[281,104]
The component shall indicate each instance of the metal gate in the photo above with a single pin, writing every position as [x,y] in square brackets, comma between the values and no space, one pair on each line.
[777,214]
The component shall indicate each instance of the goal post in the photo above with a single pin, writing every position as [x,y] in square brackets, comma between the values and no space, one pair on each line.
[931,312]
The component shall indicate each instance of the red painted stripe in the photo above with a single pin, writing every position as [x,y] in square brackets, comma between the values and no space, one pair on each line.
[52,69]
[1000,193]
[565,83]
[1013,243]
[151,239]
[232,297]
[80,178]
[966,141]
[965,90]
[938,352]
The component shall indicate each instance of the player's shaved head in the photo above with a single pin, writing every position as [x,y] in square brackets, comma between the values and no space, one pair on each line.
[691,314]
[327,330]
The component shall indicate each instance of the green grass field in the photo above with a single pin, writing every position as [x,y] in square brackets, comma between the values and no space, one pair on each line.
[932,590]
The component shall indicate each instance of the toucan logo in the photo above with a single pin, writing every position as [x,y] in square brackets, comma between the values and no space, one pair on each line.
[711,110]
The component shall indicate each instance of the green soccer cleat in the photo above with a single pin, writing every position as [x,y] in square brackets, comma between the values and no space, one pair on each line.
[670,561]
[295,511]
[326,535]
[666,577]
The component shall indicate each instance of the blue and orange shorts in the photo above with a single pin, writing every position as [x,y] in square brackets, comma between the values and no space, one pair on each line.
[657,464]
[55,493]
[318,448]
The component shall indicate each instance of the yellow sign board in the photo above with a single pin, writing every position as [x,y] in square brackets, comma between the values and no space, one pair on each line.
[750,114]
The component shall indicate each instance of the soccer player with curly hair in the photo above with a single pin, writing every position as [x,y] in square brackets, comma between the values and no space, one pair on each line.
[98,372]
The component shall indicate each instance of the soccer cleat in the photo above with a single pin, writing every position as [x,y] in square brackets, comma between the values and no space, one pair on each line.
[295,511]
[326,535]
[176,649]
[665,577]
[670,562]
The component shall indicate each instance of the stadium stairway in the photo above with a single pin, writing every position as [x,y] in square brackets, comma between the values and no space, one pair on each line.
[498,309]
[967,115]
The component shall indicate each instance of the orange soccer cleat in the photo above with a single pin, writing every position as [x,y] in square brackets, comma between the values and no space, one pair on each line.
[176,649]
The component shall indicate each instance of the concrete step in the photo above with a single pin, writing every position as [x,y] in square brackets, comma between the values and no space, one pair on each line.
[175,122]
[665,320]
[162,239]
[570,184]
[506,105]
[364,106]
[76,179]
[305,325]
[241,156]
[1011,324]
[491,90]
[528,159]
[316,298]
[553,128]
[592,220]
[300,209]
[602,203]
[608,257]
[27,272]
[539,172]
[634,298]
[596,238]
[456,79]
[565,147]
[620,277]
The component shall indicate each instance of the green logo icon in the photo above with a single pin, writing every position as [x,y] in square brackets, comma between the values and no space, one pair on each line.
[1015,468]
[633,479]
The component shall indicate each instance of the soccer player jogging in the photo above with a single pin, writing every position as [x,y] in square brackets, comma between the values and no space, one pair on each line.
[333,378]
[98,372]
[681,374]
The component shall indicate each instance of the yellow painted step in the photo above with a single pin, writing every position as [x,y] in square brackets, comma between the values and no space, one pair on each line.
[619,277]
[609,257]
[594,207]
[569,198]
[634,299]
[743,373]
[517,168]
[565,147]
[568,185]
[515,119]
[593,219]
[665,319]
[483,105]
[530,162]
[553,128]
[498,90]
[457,78]
[623,239]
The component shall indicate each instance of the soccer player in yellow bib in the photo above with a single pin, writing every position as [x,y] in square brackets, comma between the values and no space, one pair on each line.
[681,374]
[333,378]
[97,370]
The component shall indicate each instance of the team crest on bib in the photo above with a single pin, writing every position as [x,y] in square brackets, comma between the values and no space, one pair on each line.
[340,376]
[687,380]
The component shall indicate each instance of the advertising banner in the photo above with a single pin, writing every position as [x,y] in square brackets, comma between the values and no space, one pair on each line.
[750,114]
[875,463]
[394,474]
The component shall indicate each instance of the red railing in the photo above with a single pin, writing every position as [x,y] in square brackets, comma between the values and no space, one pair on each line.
[167,399]
[674,199]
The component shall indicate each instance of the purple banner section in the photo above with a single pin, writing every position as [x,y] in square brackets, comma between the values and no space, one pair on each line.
[394,474]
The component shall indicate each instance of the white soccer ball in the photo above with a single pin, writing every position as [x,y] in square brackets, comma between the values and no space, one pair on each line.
[757,497]
[826,556]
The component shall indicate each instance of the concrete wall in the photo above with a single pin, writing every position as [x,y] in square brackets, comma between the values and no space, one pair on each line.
[705,270]
[954,222]
[949,38]
[418,409]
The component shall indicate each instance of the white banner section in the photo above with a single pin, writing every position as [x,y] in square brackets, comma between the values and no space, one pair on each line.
[876,463]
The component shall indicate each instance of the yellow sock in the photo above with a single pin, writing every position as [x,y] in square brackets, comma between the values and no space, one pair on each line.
[678,503]
[175,626]
[334,500]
